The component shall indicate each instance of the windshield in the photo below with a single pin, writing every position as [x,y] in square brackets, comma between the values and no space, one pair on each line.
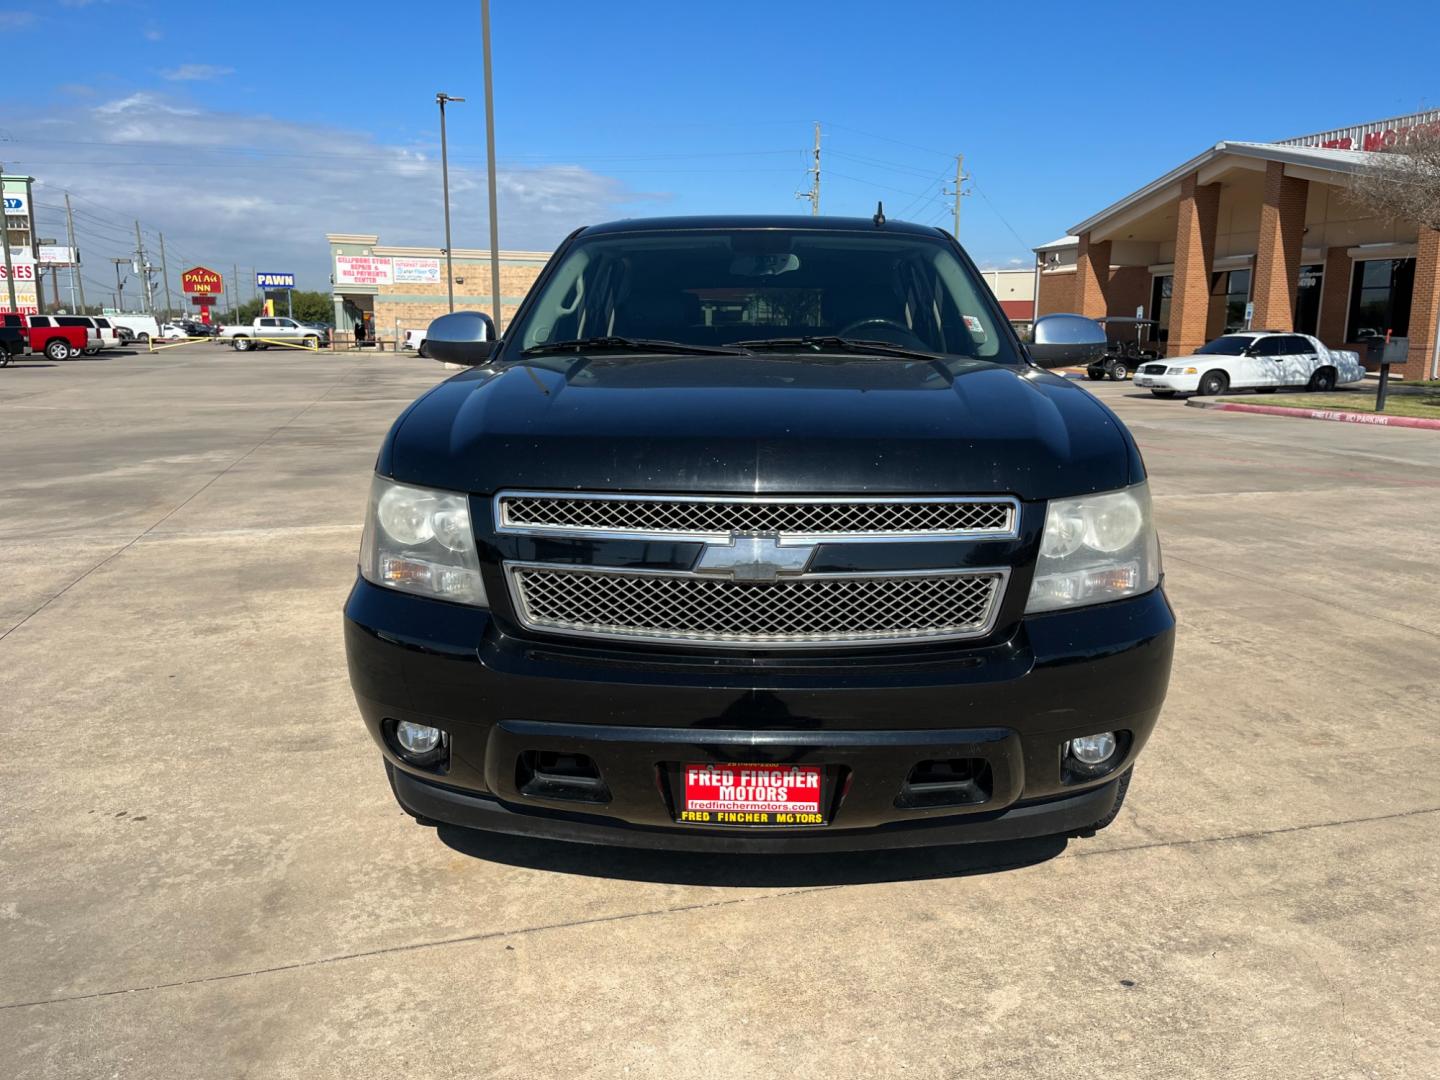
[1230,345]
[720,287]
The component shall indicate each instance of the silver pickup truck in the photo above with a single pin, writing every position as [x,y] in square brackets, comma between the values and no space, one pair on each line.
[267,329]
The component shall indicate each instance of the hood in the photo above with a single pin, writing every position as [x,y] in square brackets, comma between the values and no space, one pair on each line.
[761,425]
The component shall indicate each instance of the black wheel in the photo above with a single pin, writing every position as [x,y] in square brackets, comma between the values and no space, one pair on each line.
[1323,381]
[1163,393]
[424,351]
[1094,374]
[57,349]
[241,344]
[5,358]
[1212,383]
[1265,389]
[420,819]
[311,341]
[144,339]
[1121,789]
[1119,372]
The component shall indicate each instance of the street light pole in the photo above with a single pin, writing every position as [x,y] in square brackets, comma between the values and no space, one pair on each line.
[490,166]
[441,99]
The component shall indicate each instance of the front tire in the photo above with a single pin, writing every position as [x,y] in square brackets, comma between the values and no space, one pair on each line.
[1323,381]
[1093,374]
[1119,372]
[57,350]
[311,341]
[240,344]
[1213,383]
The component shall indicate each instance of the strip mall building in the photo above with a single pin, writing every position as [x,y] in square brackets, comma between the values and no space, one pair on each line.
[1261,223]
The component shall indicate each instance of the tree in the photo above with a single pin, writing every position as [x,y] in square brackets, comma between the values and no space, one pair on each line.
[309,307]
[1402,184]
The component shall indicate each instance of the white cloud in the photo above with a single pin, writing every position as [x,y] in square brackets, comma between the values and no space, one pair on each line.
[153,34]
[228,188]
[196,73]
[16,20]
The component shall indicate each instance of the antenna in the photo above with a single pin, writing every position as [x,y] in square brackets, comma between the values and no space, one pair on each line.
[879,217]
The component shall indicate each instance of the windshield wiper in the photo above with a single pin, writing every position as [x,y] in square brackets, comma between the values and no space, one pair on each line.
[831,343]
[632,345]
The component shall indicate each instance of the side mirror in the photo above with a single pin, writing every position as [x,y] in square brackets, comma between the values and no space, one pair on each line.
[462,337]
[1066,340]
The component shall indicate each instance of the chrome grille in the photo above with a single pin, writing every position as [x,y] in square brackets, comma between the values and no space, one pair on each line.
[718,518]
[815,609]
[1152,369]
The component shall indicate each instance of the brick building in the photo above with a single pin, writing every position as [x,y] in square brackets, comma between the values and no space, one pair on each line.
[404,287]
[1266,224]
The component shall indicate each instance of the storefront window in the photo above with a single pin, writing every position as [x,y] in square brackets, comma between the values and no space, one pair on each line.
[1229,293]
[1380,298]
[1307,298]
[1160,288]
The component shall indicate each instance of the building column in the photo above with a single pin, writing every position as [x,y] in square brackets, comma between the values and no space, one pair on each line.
[1334,298]
[1277,256]
[1196,214]
[1424,302]
[1092,265]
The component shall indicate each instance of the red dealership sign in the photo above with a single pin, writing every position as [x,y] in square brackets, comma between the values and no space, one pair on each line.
[199,281]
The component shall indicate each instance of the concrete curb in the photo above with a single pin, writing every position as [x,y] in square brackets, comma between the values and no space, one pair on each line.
[1378,419]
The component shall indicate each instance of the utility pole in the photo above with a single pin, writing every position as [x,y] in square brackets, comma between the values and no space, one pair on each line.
[165,274]
[5,232]
[440,99]
[144,267]
[119,285]
[814,173]
[490,166]
[958,191]
[79,278]
[235,296]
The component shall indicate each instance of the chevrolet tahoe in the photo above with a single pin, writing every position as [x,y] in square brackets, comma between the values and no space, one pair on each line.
[758,535]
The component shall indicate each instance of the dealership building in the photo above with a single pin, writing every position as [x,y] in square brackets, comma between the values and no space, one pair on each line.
[403,288]
[1266,224]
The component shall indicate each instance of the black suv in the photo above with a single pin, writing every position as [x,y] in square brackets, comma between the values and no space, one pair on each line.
[758,534]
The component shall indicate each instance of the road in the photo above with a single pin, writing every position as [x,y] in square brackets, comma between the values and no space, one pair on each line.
[202,873]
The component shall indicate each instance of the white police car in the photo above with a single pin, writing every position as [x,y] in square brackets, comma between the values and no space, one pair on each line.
[1257,360]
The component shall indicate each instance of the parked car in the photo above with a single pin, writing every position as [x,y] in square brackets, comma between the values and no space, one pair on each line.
[1262,360]
[758,534]
[174,332]
[139,328]
[12,344]
[93,342]
[47,336]
[266,329]
[109,332]
[414,339]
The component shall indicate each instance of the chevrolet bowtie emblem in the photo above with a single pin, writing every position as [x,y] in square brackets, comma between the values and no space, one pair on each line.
[754,557]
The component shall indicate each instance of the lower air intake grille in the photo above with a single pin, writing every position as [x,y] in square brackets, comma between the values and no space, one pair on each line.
[809,610]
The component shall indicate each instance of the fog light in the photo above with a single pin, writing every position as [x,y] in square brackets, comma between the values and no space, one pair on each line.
[1094,749]
[417,739]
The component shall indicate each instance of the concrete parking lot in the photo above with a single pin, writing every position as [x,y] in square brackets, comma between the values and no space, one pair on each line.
[203,874]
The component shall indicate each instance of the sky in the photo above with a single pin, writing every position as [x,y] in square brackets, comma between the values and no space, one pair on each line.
[245,135]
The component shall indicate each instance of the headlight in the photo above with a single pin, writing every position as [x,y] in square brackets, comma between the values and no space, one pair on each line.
[1096,548]
[419,540]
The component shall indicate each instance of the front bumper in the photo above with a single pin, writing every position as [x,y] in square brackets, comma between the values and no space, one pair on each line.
[1183,384]
[1009,704]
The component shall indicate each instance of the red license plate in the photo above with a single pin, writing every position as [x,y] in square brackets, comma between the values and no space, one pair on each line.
[751,795]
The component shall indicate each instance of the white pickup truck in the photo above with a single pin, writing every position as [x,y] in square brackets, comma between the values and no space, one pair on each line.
[267,329]
[1260,360]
